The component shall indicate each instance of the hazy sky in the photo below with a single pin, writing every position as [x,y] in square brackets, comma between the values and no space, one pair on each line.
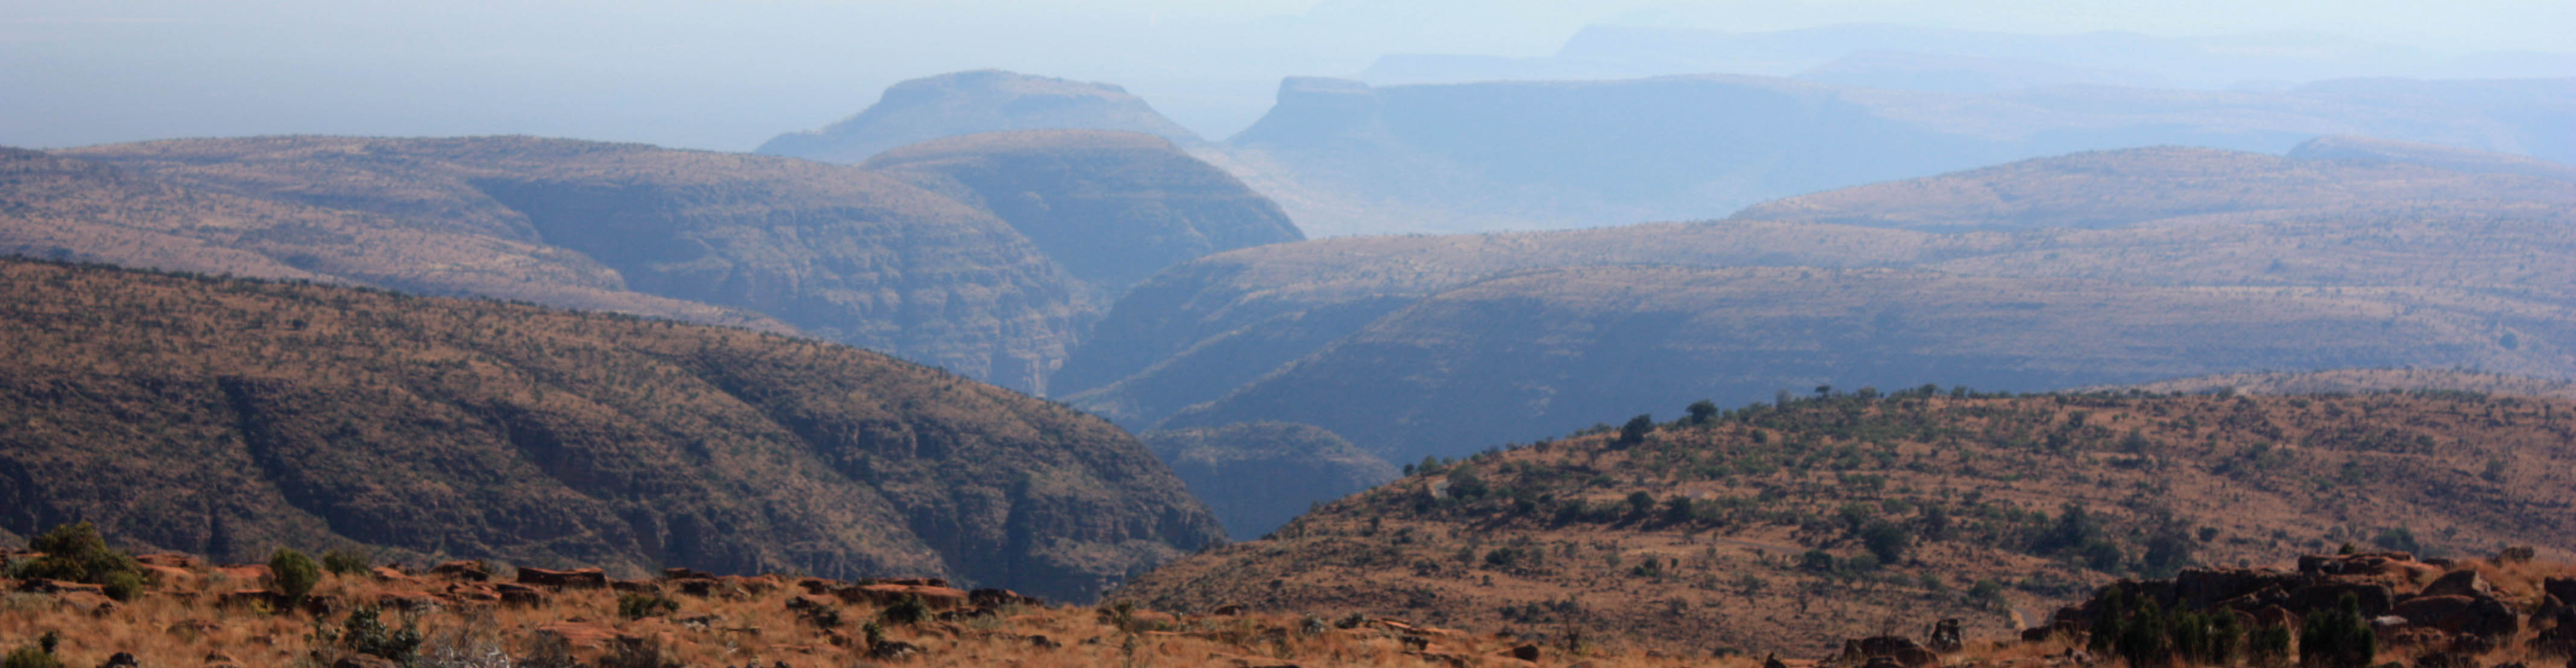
[728,74]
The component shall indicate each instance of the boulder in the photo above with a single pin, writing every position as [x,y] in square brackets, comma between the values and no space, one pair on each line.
[463,570]
[2374,598]
[519,595]
[938,598]
[365,661]
[2201,588]
[678,573]
[2473,615]
[578,578]
[2563,588]
[995,598]
[1904,651]
[2460,583]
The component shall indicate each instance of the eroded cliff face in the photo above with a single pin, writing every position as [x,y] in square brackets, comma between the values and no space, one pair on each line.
[1112,208]
[231,417]
[839,252]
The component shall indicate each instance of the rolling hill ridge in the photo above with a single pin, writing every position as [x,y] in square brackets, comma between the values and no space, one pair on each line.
[1792,524]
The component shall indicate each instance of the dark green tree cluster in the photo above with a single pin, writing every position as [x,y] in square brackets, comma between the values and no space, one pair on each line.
[2338,638]
[2141,631]
[75,552]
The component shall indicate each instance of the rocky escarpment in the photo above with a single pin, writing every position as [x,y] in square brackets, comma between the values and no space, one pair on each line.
[229,417]
[1111,207]
[962,103]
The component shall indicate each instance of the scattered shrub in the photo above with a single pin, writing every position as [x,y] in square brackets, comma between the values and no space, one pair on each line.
[2338,638]
[365,632]
[75,552]
[293,575]
[123,585]
[911,610]
[639,606]
[30,657]
[343,562]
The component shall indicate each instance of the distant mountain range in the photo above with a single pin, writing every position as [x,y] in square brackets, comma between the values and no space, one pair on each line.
[231,417]
[2205,261]
[1906,57]
[851,254]
[1344,157]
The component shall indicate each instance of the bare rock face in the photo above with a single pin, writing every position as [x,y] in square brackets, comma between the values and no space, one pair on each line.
[975,101]
[228,416]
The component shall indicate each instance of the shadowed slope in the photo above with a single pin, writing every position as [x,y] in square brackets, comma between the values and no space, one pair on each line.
[232,416]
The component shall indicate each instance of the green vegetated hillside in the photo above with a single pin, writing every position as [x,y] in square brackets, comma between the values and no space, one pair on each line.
[962,103]
[1111,207]
[1269,333]
[848,254]
[229,417]
[1795,523]
[1258,475]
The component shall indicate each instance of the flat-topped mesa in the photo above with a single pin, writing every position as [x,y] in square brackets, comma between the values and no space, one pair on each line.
[969,102]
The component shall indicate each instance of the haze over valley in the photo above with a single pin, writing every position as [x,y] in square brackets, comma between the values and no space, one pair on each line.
[1868,335]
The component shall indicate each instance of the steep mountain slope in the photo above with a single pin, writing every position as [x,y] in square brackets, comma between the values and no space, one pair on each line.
[1549,350]
[840,252]
[2125,187]
[1792,525]
[1258,475]
[1347,158]
[229,417]
[1111,207]
[970,102]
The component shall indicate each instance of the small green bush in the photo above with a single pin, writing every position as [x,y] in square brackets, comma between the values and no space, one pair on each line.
[123,585]
[343,562]
[30,657]
[639,606]
[293,574]
[365,632]
[910,610]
